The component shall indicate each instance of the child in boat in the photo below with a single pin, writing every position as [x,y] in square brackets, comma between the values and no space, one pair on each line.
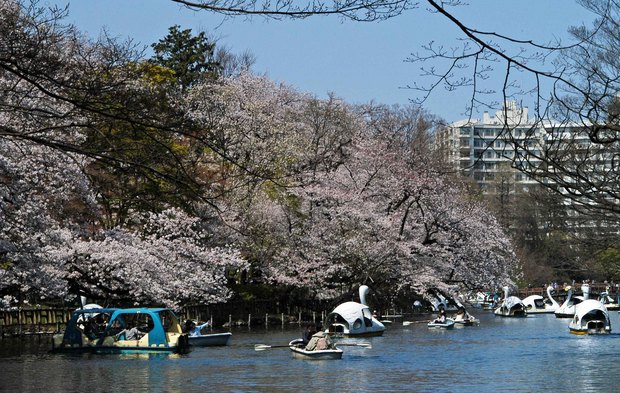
[441,317]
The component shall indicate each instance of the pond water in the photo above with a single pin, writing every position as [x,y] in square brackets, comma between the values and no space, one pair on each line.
[532,354]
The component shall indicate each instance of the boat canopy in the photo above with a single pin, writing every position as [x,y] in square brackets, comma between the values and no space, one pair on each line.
[513,301]
[351,311]
[588,307]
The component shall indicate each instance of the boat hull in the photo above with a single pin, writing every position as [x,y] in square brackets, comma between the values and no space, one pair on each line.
[118,347]
[449,324]
[210,340]
[352,335]
[325,354]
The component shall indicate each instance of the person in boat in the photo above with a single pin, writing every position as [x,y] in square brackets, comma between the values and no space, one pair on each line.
[462,315]
[320,341]
[308,333]
[96,326]
[441,316]
[129,334]
[190,327]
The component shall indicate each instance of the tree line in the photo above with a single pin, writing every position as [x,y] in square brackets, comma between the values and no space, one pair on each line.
[185,178]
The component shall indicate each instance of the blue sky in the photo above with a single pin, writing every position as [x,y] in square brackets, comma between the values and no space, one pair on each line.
[359,62]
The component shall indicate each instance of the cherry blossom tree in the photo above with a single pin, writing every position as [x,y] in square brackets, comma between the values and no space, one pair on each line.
[46,201]
[167,263]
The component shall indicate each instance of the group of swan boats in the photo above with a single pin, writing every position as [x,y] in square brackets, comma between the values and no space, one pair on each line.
[587,316]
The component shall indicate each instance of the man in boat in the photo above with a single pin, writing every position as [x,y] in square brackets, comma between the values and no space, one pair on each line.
[308,333]
[320,341]
[462,315]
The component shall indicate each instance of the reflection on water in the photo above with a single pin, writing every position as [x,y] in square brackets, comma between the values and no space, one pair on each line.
[501,355]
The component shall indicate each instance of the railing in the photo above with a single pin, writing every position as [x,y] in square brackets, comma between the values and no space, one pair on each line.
[253,313]
[38,320]
[595,290]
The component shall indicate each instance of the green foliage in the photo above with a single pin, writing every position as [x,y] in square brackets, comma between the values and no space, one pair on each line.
[607,263]
[189,57]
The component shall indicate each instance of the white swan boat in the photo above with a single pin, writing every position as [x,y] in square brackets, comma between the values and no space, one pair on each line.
[297,348]
[439,302]
[608,301]
[354,319]
[537,304]
[591,317]
[567,309]
[511,306]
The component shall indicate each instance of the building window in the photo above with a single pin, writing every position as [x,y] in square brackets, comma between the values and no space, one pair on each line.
[464,131]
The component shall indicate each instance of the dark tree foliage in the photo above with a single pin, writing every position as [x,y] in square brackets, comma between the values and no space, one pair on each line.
[191,57]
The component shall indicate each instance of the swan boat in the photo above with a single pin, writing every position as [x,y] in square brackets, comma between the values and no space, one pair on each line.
[567,309]
[106,330]
[298,349]
[511,306]
[439,302]
[608,301]
[591,317]
[536,304]
[447,324]
[354,319]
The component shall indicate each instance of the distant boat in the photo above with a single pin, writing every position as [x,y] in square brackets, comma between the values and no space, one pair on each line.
[439,302]
[447,324]
[354,319]
[608,301]
[465,319]
[511,306]
[567,309]
[537,304]
[591,317]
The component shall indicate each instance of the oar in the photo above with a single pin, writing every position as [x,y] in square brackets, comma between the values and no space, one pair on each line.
[262,347]
[363,345]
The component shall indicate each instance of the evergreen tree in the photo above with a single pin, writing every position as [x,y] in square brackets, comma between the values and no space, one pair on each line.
[190,57]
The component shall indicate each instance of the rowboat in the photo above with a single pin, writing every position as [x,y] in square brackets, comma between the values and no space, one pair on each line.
[210,340]
[297,348]
[470,321]
[117,330]
[447,324]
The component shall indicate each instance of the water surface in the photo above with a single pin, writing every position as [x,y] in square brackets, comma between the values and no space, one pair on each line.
[500,355]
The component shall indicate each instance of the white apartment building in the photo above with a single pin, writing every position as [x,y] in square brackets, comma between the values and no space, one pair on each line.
[488,148]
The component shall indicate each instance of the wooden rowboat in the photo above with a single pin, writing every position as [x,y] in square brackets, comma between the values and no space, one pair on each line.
[297,348]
